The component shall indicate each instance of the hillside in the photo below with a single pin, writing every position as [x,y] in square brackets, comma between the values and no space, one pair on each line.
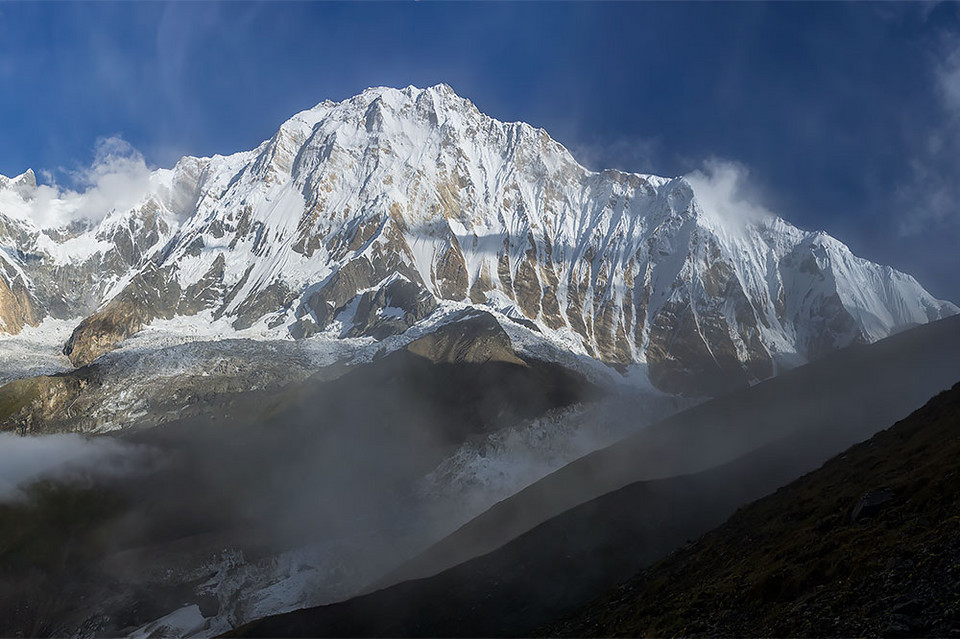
[867,545]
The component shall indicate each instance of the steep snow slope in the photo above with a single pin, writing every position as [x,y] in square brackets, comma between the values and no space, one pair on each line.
[357,216]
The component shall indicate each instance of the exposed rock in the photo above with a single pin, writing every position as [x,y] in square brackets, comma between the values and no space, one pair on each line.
[575,304]
[451,273]
[365,232]
[151,294]
[474,336]
[695,349]
[391,310]
[870,504]
[274,299]
[527,287]
[342,287]
[678,354]
[205,292]
[102,331]
[503,271]
[523,321]
[550,304]
[303,327]
[481,285]
[17,307]
[38,404]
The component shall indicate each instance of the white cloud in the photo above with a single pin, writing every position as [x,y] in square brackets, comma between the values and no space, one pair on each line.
[930,194]
[948,78]
[27,459]
[726,194]
[930,199]
[118,179]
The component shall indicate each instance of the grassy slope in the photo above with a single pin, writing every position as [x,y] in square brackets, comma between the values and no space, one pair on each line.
[795,564]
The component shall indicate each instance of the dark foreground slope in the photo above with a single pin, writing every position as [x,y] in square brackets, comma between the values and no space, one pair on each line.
[867,545]
[558,565]
[848,396]
[564,562]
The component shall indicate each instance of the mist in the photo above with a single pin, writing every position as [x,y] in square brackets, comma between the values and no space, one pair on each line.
[598,521]
[307,497]
[725,192]
[28,459]
[348,482]
[117,179]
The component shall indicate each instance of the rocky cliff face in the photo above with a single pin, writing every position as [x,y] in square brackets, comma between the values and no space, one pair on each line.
[357,217]
[68,271]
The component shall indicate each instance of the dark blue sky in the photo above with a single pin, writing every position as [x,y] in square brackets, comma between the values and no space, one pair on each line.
[847,116]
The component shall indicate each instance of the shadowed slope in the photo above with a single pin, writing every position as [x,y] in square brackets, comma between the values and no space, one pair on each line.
[560,564]
[853,393]
[868,544]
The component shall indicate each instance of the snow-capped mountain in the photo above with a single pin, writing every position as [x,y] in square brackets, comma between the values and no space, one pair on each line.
[358,217]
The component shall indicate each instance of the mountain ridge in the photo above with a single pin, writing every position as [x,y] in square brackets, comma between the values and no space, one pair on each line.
[392,198]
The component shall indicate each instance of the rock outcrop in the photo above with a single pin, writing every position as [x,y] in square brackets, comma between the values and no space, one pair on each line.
[471,337]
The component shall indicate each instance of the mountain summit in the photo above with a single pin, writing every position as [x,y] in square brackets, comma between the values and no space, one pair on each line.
[360,218]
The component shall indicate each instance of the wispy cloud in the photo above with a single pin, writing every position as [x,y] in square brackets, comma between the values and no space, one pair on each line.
[930,194]
[726,193]
[948,76]
[27,459]
[117,179]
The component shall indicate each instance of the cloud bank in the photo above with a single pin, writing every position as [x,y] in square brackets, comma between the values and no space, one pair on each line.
[117,179]
[27,459]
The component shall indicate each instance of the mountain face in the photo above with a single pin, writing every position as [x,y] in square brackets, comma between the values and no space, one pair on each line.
[358,218]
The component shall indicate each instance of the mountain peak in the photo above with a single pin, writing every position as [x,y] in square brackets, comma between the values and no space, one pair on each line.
[26,179]
[400,103]
[23,184]
[364,217]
